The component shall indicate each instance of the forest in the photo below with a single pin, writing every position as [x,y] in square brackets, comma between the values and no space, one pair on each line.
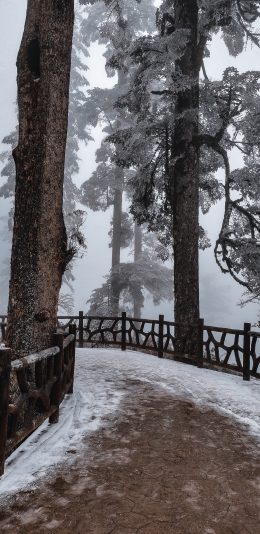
[130,266]
[170,136]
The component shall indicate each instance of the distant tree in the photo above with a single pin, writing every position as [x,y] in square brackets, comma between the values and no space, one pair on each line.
[107,183]
[144,276]
[39,250]
[78,131]
[117,27]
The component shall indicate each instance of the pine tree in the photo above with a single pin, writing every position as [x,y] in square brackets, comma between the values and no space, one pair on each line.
[39,250]
[106,185]
[177,145]
[144,276]
[77,131]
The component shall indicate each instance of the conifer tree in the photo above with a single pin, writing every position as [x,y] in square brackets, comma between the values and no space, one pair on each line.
[181,133]
[106,185]
[39,250]
[77,131]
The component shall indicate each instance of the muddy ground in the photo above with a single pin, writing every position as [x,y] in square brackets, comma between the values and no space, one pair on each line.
[161,465]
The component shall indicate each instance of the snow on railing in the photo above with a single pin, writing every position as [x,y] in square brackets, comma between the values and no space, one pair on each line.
[32,389]
[235,350]
[36,384]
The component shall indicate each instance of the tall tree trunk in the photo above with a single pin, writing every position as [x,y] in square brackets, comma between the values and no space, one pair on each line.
[116,241]
[137,254]
[39,236]
[185,172]
[117,218]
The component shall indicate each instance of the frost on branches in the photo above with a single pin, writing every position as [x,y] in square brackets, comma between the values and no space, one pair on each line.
[173,108]
[109,184]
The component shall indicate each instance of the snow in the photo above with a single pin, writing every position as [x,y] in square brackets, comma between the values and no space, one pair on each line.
[37,357]
[98,391]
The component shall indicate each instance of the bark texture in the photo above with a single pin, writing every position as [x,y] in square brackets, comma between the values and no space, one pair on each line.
[116,285]
[137,253]
[116,241]
[185,173]
[39,250]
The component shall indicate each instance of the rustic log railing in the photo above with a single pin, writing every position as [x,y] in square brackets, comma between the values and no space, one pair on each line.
[32,389]
[229,349]
[43,379]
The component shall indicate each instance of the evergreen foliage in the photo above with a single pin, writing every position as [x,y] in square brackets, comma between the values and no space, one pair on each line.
[118,28]
[228,120]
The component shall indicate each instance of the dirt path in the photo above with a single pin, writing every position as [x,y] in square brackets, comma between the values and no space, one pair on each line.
[161,466]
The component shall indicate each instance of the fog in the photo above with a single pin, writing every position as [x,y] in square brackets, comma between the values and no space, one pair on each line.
[220,295]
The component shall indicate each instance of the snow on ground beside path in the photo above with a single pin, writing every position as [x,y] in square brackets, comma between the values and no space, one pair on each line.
[225,392]
[100,386]
[94,398]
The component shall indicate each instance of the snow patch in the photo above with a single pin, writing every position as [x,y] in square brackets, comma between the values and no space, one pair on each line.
[99,387]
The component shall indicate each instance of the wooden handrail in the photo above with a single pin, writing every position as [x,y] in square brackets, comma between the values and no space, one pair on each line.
[39,393]
[26,361]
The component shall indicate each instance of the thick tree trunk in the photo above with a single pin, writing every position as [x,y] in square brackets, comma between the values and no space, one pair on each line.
[185,173]
[39,236]
[116,241]
[137,254]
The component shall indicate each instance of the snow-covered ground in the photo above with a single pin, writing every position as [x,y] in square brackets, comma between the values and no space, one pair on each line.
[99,388]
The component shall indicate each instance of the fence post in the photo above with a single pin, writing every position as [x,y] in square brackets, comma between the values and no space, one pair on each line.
[200,343]
[123,338]
[81,315]
[5,367]
[72,330]
[58,338]
[3,328]
[160,338]
[246,352]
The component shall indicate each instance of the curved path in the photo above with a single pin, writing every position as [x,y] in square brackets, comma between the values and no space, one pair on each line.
[160,464]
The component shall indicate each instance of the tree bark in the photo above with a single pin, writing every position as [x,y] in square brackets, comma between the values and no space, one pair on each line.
[137,254]
[117,214]
[116,241]
[39,250]
[184,174]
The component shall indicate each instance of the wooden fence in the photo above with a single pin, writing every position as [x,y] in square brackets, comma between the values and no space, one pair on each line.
[32,389]
[43,379]
[228,349]
[221,348]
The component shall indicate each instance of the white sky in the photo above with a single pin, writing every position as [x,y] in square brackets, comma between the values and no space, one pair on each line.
[219,293]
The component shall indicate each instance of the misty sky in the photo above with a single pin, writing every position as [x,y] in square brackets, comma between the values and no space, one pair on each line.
[219,293]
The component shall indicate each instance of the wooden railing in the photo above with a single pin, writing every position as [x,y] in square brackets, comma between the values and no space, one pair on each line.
[234,350]
[32,389]
[3,324]
[231,349]
[37,384]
